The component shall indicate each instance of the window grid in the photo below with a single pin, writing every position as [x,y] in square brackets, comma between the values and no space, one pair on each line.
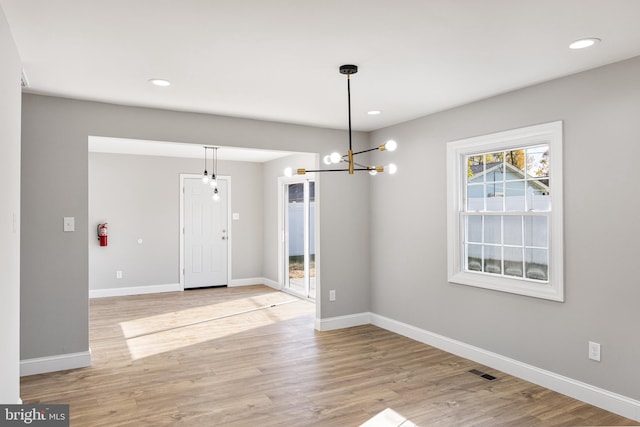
[523,268]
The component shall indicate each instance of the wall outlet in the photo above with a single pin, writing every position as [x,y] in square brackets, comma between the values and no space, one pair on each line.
[594,351]
[332,295]
[118,274]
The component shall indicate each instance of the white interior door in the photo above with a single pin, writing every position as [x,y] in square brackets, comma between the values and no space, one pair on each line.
[205,234]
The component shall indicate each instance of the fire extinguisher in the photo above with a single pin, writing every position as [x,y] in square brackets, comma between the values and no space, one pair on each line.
[103,233]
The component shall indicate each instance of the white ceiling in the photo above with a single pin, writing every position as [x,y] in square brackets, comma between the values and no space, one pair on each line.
[278,59]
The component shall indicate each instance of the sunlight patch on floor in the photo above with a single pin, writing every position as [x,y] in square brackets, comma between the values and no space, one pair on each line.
[388,418]
[172,331]
[161,322]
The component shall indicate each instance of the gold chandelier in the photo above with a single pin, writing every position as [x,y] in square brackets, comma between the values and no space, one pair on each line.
[352,165]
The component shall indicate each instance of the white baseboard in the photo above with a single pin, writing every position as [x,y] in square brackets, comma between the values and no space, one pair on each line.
[340,322]
[60,362]
[134,290]
[254,281]
[612,402]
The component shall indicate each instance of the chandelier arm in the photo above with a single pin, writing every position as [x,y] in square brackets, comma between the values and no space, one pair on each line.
[336,170]
[360,165]
[366,151]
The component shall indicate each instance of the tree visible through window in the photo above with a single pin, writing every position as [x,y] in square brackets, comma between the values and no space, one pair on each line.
[505,226]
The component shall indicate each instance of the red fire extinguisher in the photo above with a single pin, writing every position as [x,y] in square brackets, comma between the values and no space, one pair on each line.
[103,233]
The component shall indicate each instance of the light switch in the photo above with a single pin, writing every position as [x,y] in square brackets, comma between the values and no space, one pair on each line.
[69,223]
[236,216]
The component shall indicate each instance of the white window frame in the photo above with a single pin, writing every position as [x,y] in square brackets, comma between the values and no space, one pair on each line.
[457,151]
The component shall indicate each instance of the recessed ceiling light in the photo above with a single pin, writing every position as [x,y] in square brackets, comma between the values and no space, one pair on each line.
[374,112]
[160,82]
[582,43]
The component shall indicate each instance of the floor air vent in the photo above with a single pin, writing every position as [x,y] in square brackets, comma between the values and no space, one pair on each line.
[484,375]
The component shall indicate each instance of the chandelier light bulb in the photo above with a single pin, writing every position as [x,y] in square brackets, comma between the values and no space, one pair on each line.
[390,145]
[392,168]
[335,157]
[205,178]
[373,172]
[216,195]
[214,182]
[288,172]
[327,159]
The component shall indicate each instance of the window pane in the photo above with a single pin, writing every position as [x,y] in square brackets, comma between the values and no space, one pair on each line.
[493,259]
[538,161]
[538,195]
[515,158]
[492,229]
[495,196]
[536,264]
[536,231]
[514,196]
[475,167]
[474,229]
[475,197]
[474,257]
[513,262]
[493,159]
[513,230]
[495,172]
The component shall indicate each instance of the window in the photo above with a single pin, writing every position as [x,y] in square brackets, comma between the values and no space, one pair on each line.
[505,211]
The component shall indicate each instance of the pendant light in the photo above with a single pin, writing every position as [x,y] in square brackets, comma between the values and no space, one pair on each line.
[205,175]
[213,179]
[352,165]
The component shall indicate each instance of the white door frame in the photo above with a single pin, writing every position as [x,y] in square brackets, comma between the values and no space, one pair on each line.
[282,232]
[183,176]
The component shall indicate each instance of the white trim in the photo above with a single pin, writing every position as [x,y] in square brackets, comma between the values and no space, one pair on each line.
[60,362]
[592,395]
[134,290]
[547,133]
[341,322]
[254,281]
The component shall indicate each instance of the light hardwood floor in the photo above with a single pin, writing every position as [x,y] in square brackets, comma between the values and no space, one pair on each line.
[249,356]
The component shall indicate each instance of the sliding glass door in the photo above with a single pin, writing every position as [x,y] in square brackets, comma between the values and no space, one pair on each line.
[299,238]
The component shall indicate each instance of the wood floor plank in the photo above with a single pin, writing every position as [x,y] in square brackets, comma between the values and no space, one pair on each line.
[249,356]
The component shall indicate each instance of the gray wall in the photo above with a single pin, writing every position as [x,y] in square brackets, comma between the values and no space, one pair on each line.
[140,198]
[9,216]
[55,184]
[600,110]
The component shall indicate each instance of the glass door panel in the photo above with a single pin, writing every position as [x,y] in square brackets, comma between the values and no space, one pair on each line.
[300,239]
